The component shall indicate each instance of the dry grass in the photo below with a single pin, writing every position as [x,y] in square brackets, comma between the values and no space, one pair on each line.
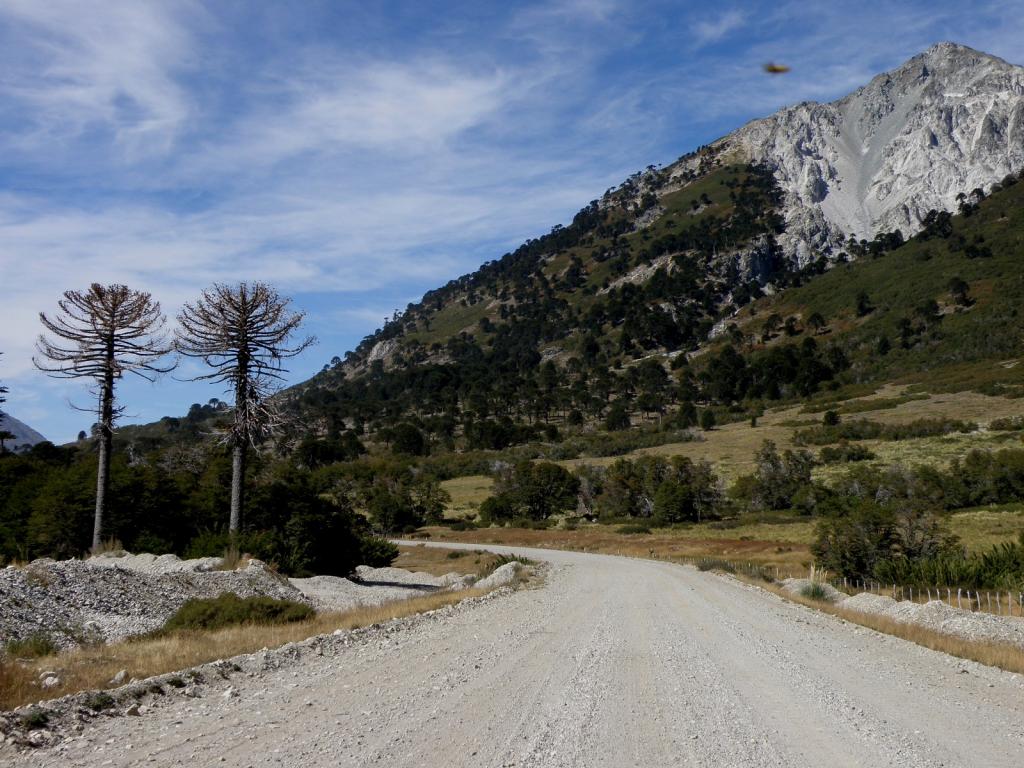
[993,654]
[438,561]
[731,447]
[790,556]
[233,560]
[467,493]
[92,668]
[980,529]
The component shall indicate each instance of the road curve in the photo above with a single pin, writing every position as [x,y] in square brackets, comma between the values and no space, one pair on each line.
[612,662]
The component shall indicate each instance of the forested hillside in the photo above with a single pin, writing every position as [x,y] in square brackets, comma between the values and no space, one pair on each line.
[590,327]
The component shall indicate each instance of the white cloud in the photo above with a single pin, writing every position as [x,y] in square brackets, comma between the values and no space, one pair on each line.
[76,67]
[706,32]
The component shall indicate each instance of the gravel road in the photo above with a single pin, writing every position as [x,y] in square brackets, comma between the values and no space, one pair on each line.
[613,662]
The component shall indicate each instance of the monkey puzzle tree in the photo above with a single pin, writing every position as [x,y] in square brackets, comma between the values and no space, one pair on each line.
[242,333]
[101,334]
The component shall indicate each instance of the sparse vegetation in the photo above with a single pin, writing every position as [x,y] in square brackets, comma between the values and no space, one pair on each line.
[32,647]
[228,609]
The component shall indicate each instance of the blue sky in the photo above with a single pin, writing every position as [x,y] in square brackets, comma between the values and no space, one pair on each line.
[359,154]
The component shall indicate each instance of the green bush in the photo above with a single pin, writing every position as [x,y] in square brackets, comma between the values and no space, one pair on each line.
[863,429]
[99,701]
[229,610]
[34,646]
[34,719]
[1001,567]
[845,452]
[376,552]
[815,591]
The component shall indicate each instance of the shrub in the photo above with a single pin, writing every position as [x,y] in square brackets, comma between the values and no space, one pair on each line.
[815,591]
[34,718]
[845,452]
[377,552]
[863,429]
[229,610]
[501,560]
[34,646]
[855,544]
[99,701]
[707,420]
[1007,424]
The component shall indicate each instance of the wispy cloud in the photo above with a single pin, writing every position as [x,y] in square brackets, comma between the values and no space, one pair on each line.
[75,68]
[708,31]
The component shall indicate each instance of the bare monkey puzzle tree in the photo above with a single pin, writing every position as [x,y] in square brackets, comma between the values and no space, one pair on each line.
[101,334]
[242,332]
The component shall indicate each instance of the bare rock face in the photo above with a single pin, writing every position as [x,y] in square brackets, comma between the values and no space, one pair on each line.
[948,121]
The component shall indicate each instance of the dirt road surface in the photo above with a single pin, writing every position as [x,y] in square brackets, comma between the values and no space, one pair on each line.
[612,662]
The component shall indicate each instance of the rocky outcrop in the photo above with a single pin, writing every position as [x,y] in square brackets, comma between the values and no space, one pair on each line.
[948,121]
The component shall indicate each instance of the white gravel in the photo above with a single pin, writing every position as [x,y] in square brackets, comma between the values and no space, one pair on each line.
[374,586]
[613,662]
[110,598]
[939,616]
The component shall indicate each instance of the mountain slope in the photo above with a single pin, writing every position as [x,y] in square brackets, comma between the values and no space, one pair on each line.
[24,436]
[949,120]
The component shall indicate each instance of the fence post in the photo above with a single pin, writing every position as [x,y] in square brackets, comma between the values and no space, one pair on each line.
[958,603]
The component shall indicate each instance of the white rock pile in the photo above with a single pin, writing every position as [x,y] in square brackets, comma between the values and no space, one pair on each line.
[935,615]
[100,600]
[111,597]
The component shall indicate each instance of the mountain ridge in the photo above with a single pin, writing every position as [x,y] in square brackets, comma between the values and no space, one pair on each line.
[24,436]
[950,119]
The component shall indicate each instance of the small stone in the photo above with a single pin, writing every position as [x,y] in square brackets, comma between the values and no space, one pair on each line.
[51,682]
[132,711]
[230,693]
[119,678]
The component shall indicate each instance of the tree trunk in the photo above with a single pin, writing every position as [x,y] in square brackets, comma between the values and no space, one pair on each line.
[237,482]
[106,438]
[241,437]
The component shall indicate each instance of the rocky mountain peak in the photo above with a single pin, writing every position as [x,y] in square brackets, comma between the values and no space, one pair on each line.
[949,120]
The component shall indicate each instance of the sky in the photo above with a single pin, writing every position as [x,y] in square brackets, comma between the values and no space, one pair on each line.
[356,155]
